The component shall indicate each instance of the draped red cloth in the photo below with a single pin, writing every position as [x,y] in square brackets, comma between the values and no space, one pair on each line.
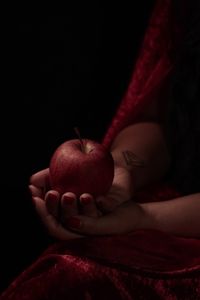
[152,70]
[145,264]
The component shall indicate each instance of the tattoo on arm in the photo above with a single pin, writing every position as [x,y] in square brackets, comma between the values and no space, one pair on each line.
[132,159]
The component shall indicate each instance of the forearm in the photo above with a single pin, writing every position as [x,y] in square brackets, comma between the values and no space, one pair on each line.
[141,148]
[179,216]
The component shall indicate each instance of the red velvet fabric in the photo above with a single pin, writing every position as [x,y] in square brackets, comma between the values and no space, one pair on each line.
[145,264]
[152,71]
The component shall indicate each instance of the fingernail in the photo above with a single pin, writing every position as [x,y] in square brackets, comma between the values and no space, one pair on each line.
[74,222]
[85,200]
[68,199]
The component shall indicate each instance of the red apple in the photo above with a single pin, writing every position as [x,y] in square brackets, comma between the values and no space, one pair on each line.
[81,166]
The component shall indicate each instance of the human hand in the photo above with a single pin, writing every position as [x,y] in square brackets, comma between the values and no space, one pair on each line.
[121,192]
[120,213]
[53,209]
[126,218]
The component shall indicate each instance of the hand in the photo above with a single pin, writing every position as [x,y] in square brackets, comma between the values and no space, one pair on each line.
[54,209]
[120,213]
[125,218]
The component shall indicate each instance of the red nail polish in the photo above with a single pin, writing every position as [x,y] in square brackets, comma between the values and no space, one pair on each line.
[85,200]
[73,222]
[68,199]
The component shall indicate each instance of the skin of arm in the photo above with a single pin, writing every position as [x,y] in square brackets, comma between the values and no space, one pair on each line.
[179,216]
[142,150]
[141,157]
[147,159]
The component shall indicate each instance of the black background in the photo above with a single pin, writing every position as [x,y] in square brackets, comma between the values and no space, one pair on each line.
[60,71]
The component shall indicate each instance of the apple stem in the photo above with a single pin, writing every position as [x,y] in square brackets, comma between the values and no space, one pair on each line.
[76,129]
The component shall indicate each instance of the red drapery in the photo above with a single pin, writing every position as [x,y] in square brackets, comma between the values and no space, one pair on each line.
[152,70]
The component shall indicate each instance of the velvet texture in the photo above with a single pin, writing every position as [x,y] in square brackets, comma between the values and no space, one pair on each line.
[145,264]
[152,71]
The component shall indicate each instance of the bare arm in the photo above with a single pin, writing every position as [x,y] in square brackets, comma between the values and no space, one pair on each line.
[179,216]
[147,159]
[141,148]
